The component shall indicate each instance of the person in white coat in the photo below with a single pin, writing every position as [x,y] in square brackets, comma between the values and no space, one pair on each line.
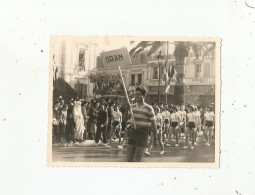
[79,122]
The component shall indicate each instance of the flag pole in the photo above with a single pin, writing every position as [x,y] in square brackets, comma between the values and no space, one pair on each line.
[166,68]
[125,90]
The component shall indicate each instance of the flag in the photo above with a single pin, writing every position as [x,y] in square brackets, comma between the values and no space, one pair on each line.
[138,51]
[171,74]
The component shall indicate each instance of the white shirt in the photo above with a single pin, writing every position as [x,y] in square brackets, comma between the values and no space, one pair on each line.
[166,115]
[209,116]
[192,117]
[175,117]
[198,113]
[117,115]
[182,114]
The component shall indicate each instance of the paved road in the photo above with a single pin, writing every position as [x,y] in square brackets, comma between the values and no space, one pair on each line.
[90,152]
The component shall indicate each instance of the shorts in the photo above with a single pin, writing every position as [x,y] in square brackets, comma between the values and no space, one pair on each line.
[115,123]
[174,124]
[139,136]
[209,123]
[191,125]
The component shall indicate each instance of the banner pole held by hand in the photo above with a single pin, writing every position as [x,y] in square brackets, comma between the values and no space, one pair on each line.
[125,90]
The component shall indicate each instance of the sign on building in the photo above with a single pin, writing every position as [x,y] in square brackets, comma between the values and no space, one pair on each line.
[115,58]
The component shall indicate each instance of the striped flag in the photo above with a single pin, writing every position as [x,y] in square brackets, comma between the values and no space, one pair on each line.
[171,74]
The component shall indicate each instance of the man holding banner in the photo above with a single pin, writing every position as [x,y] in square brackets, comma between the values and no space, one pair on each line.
[144,119]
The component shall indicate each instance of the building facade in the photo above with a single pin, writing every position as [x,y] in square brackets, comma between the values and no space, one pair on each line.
[74,60]
[199,78]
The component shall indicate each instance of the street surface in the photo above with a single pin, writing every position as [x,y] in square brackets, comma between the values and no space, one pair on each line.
[90,152]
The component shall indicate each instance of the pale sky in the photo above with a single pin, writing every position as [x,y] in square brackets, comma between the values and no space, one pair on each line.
[112,43]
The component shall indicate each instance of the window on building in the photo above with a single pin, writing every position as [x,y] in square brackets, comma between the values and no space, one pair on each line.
[133,79]
[197,70]
[82,60]
[155,73]
[139,79]
[207,70]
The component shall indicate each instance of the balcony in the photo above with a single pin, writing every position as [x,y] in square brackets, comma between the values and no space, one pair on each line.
[200,80]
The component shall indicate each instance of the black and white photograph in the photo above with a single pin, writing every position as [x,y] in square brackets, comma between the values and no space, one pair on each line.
[132,99]
[129,97]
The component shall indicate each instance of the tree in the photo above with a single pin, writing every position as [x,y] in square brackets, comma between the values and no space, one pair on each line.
[106,83]
[182,49]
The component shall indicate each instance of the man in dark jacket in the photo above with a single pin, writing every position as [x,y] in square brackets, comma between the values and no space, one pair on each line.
[110,111]
[92,120]
[70,122]
[102,121]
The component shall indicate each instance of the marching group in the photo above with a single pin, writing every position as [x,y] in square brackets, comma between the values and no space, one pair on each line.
[75,122]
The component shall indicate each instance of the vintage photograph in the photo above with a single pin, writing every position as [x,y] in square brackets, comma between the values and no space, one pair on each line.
[152,101]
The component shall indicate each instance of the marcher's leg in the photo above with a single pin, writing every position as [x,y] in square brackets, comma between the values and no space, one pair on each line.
[124,137]
[150,145]
[104,134]
[210,135]
[193,136]
[64,133]
[130,153]
[119,134]
[139,150]
[167,131]
[98,135]
[176,130]
[111,135]
[187,134]
[160,141]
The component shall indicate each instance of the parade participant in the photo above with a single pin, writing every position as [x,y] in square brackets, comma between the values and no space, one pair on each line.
[191,127]
[70,122]
[128,121]
[161,107]
[166,121]
[85,118]
[110,111]
[79,122]
[88,107]
[92,120]
[62,123]
[144,118]
[102,121]
[159,123]
[174,125]
[116,125]
[198,128]
[182,113]
[208,124]
[55,123]
[203,111]
[62,102]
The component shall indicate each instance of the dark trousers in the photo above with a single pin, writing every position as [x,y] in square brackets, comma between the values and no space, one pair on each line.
[85,131]
[100,131]
[62,130]
[55,134]
[137,143]
[69,132]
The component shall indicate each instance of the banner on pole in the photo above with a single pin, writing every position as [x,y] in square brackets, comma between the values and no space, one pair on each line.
[115,58]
